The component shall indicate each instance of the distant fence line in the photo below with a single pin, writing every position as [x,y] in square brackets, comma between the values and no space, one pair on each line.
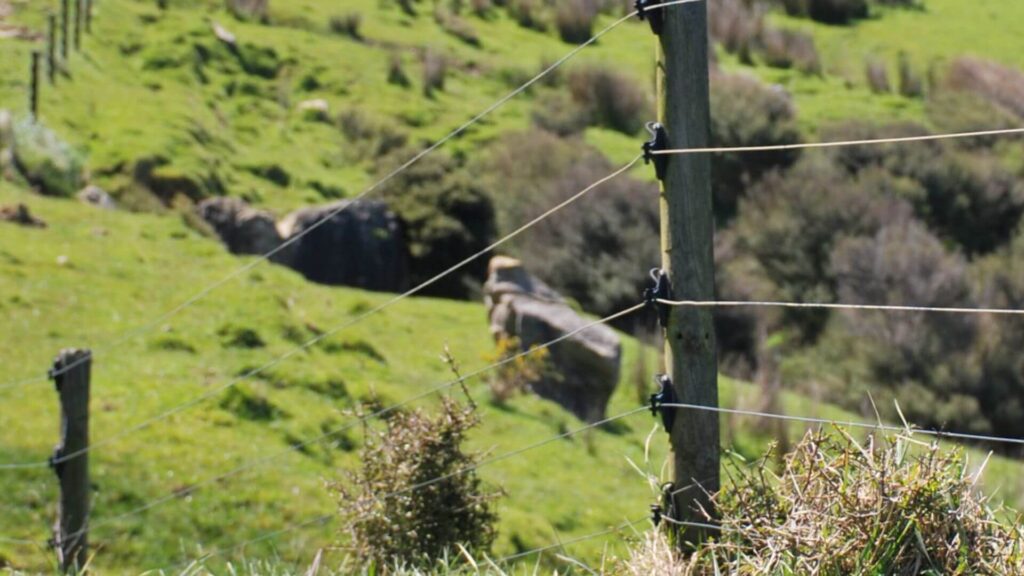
[65,34]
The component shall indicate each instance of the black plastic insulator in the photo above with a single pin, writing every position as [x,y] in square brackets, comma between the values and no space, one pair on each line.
[661,290]
[666,395]
[658,141]
[655,17]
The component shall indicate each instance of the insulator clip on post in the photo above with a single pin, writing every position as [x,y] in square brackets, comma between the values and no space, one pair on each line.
[666,395]
[655,295]
[655,17]
[657,143]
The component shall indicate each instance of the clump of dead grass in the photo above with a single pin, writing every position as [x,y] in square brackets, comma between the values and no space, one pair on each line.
[839,507]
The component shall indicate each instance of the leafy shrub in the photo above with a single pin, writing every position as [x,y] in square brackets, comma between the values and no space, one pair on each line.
[828,11]
[910,352]
[574,20]
[435,70]
[447,217]
[516,376]
[840,507]
[374,137]
[958,111]
[457,27]
[528,14]
[745,112]
[396,72]
[877,76]
[45,161]
[347,25]
[911,84]
[999,84]
[596,253]
[784,48]
[612,99]
[558,113]
[415,497]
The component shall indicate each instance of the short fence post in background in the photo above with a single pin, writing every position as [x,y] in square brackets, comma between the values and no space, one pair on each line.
[33,88]
[71,460]
[51,47]
[65,16]
[88,16]
[78,24]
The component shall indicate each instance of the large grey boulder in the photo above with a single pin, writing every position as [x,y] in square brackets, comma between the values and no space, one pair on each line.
[349,244]
[242,228]
[587,364]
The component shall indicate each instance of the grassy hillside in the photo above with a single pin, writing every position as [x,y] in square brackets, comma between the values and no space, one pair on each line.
[93,274]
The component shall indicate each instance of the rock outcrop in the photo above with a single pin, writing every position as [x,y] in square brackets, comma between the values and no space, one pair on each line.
[242,228]
[360,244]
[587,364]
[97,197]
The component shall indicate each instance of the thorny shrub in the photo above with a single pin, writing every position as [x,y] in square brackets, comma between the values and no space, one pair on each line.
[416,497]
[839,507]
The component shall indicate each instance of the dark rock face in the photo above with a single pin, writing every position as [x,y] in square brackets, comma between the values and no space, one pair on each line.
[588,364]
[361,246]
[243,229]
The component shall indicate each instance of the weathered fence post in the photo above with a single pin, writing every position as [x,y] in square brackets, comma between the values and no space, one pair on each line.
[33,87]
[78,25]
[71,459]
[65,16]
[51,47]
[687,229]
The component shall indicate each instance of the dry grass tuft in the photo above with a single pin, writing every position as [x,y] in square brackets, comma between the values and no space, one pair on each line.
[839,507]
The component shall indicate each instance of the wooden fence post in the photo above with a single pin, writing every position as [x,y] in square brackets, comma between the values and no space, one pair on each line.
[71,460]
[33,88]
[78,25]
[88,16]
[687,230]
[65,16]
[51,47]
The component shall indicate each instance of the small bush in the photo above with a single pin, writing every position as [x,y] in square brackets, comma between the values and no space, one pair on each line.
[528,14]
[783,48]
[396,72]
[828,11]
[574,20]
[347,25]
[999,84]
[240,337]
[613,99]
[372,136]
[839,507]
[435,70]
[877,76]
[46,161]
[745,112]
[457,27]
[559,114]
[250,9]
[911,84]
[516,376]
[390,512]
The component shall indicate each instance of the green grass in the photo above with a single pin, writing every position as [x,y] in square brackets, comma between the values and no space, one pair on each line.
[92,275]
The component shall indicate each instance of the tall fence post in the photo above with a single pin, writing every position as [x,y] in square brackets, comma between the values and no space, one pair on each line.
[687,229]
[88,16]
[33,88]
[70,460]
[78,25]
[51,47]
[64,23]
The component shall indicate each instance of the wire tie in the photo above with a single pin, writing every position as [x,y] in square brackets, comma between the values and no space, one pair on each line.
[658,141]
[667,395]
[655,17]
[654,295]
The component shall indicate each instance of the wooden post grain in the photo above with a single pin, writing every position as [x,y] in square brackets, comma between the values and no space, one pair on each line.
[71,459]
[687,229]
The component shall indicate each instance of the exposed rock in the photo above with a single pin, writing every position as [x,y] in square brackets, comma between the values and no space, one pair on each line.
[6,145]
[243,229]
[360,244]
[588,363]
[97,197]
[19,214]
[224,35]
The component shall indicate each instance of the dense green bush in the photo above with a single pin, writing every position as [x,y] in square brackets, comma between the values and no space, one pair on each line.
[596,252]
[574,20]
[828,11]
[45,161]
[611,99]
[745,112]
[447,217]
